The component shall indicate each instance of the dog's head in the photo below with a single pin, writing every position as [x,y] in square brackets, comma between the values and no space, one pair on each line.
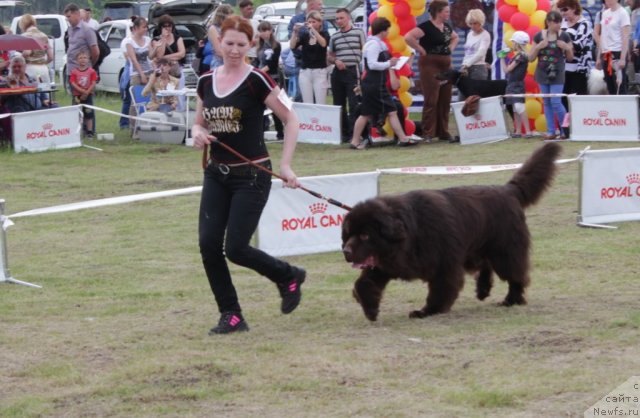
[452,76]
[371,234]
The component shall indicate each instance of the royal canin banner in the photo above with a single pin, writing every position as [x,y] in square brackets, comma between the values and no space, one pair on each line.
[610,189]
[604,118]
[43,130]
[487,125]
[319,124]
[295,222]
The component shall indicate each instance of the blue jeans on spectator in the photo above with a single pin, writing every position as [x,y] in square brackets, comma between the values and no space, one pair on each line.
[553,108]
[125,95]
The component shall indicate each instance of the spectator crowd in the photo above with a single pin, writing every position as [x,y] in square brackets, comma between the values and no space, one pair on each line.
[358,68]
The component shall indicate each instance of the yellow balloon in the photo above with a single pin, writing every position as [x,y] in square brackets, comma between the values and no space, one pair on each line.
[398,44]
[537,18]
[416,4]
[512,2]
[533,108]
[387,127]
[418,12]
[507,38]
[405,84]
[386,11]
[541,124]
[527,6]
[531,67]
[394,31]
[384,3]
[506,27]
[405,99]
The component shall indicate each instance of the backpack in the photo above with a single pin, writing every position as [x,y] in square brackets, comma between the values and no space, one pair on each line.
[104,48]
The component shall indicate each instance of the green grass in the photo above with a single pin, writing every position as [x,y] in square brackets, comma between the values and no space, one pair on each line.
[120,327]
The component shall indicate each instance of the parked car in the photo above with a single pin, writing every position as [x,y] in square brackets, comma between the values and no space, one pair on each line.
[54,26]
[116,10]
[283,8]
[188,16]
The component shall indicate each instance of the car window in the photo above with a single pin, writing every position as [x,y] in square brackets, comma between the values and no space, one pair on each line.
[117,34]
[50,26]
[117,13]
[103,31]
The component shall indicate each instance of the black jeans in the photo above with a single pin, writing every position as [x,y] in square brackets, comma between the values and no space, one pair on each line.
[342,84]
[230,209]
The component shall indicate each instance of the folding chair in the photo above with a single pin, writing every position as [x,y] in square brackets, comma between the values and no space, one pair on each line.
[138,104]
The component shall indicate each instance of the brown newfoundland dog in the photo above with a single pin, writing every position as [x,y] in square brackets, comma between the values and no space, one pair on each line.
[437,235]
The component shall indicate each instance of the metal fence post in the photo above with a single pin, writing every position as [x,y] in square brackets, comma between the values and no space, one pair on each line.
[5,275]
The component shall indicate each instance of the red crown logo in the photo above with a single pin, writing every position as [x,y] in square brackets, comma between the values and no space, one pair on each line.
[314,120]
[633,178]
[319,207]
[603,113]
[47,126]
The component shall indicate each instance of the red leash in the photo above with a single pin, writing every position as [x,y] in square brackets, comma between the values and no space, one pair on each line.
[245,159]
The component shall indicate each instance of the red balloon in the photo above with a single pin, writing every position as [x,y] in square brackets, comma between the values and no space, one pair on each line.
[499,4]
[532,30]
[375,133]
[544,5]
[401,10]
[405,70]
[372,17]
[530,85]
[406,24]
[409,127]
[506,11]
[519,21]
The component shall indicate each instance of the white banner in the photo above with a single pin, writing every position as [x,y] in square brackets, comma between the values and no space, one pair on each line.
[610,186]
[604,118]
[295,222]
[319,124]
[42,130]
[487,125]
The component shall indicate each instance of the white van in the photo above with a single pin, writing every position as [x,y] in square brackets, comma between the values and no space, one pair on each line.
[54,26]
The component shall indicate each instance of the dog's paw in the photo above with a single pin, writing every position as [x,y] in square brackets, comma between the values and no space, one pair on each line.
[417,314]
[510,301]
[371,314]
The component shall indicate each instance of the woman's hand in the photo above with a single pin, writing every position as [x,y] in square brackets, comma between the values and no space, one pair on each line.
[290,179]
[201,137]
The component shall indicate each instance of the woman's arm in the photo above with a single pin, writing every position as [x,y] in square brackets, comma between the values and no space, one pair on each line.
[412,38]
[199,130]
[177,56]
[214,38]
[321,40]
[290,120]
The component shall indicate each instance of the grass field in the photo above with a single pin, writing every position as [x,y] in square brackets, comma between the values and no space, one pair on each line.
[120,326]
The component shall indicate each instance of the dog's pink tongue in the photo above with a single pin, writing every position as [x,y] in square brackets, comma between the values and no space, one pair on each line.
[369,262]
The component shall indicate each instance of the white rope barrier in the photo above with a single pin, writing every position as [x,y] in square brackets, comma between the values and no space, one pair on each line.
[466,169]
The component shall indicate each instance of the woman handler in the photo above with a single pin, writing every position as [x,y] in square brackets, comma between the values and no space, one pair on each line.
[230,106]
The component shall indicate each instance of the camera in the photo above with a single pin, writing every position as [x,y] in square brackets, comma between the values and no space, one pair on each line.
[552,71]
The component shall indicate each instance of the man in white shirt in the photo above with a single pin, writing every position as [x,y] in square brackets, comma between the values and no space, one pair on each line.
[613,46]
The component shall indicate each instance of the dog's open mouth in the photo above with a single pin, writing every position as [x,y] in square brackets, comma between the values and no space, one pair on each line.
[367,263]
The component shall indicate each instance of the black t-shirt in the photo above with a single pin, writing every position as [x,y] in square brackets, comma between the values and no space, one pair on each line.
[313,56]
[435,41]
[236,118]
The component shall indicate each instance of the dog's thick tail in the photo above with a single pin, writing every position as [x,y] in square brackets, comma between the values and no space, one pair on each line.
[536,174]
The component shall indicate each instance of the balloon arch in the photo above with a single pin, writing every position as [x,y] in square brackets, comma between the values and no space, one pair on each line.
[510,16]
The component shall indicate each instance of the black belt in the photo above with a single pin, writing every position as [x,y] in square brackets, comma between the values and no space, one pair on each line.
[244,170]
